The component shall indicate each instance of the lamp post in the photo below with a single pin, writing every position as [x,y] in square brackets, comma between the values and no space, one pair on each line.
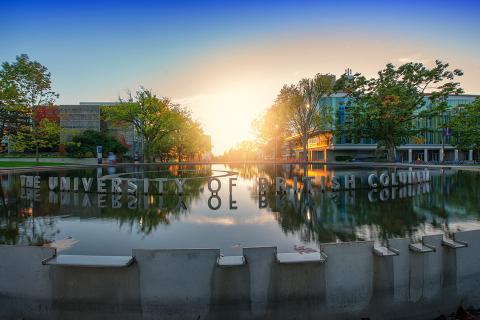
[275,154]
[306,132]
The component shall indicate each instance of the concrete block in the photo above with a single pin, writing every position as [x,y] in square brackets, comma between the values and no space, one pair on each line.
[348,276]
[468,266]
[433,266]
[260,263]
[230,293]
[176,284]
[401,269]
[25,286]
[96,293]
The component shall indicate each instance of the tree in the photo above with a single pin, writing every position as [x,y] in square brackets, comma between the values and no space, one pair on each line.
[152,117]
[85,144]
[244,151]
[304,110]
[271,128]
[385,108]
[465,126]
[190,142]
[25,85]
[167,129]
[47,137]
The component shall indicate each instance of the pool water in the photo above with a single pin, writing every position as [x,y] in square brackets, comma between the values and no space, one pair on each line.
[234,216]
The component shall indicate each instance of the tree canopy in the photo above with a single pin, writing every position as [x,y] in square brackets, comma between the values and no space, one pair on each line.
[465,125]
[24,85]
[85,144]
[166,128]
[297,110]
[384,108]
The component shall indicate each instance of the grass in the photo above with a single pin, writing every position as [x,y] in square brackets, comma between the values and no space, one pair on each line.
[16,164]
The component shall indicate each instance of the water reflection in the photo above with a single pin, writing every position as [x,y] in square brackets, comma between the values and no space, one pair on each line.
[237,213]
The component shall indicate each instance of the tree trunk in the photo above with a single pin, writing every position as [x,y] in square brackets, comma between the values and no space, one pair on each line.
[391,153]
[305,149]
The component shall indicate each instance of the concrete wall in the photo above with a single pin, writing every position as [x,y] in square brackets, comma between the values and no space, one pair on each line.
[188,284]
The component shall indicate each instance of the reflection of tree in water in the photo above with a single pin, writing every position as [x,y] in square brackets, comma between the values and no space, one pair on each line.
[347,216]
[25,221]
[252,172]
[310,217]
[456,198]
[147,215]
[19,222]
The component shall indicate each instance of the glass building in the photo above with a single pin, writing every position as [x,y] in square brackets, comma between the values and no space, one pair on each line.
[426,146]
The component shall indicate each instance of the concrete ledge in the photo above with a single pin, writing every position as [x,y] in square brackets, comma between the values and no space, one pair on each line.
[89,261]
[261,284]
[385,251]
[230,261]
[452,244]
[315,257]
[421,247]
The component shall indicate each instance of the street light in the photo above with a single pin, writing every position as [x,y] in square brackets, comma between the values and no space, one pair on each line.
[275,155]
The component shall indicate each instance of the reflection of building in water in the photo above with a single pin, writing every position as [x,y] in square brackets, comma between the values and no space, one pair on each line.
[425,147]
[371,214]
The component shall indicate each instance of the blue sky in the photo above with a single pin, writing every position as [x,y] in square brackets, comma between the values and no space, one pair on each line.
[226,60]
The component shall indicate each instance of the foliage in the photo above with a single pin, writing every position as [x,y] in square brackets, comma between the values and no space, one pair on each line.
[46,112]
[385,108]
[85,144]
[244,151]
[166,128]
[298,110]
[465,125]
[47,137]
[24,85]
[29,80]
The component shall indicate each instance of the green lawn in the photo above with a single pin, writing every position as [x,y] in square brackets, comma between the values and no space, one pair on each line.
[16,164]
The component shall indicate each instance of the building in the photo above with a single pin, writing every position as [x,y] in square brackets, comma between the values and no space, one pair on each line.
[425,147]
[75,119]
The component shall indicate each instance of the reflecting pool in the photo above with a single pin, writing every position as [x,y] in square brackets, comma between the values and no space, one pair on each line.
[229,212]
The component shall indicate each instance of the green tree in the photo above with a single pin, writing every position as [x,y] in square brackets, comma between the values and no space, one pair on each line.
[26,84]
[152,117]
[385,108]
[86,143]
[465,125]
[47,137]
[167,129]
[300,110]
[271,128]
[190,141]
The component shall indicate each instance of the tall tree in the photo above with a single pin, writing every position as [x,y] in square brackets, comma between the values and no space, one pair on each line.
[166,128]
[152,117]
[385,108]
[306,111]
[26,84]
[297,110]
[465,125]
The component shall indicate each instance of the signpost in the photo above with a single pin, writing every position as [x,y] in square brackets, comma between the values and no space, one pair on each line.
[446,132]
[99,154]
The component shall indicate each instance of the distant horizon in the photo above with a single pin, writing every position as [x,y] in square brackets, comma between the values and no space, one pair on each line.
[227,61]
